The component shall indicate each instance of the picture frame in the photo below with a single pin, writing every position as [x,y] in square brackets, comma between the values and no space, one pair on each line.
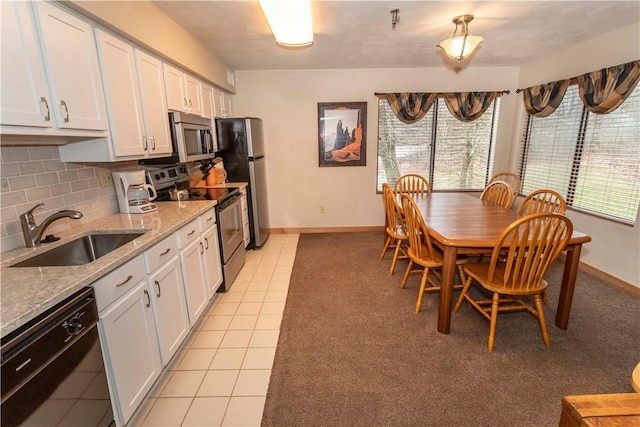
[342,133]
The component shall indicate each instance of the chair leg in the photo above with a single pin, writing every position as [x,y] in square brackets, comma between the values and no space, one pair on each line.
[545,298]
[494,321]
[467,285]
[461,273]
[423,285]
[386,246]
[541,319]
[406,274]
[395,257]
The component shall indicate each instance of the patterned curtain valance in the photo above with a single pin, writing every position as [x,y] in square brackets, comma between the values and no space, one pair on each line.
[469,106]
[542,100]
[465,106]
[409,107]
[605,90]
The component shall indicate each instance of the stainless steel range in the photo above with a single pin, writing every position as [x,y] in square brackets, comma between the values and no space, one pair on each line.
[172,183]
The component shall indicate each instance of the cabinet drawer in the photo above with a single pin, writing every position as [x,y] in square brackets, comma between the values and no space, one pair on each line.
[207,219]
[161,253]
[118,282]
[188,234]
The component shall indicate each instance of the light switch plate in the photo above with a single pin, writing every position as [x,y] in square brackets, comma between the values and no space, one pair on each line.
[105,178]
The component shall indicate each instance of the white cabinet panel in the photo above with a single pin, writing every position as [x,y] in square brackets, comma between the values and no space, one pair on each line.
[25,94]
[194,94]
[72,67]
[154,104]
[169,307]
[191,258]
[130,343]
[176,93]
[120,80]
[212,263]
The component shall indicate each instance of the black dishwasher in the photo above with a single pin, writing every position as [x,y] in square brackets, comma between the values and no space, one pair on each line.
[52,369]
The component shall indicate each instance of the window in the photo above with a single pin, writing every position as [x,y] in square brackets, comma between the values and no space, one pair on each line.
[593,160]
[451,154]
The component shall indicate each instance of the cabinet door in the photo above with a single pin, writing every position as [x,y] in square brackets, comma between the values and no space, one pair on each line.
[25,95]
[195,287]
[212,262]
[72,65]
[130,343]
[154,103]
[174,85]
[170,308]
[207,102]
[120,80]
[226,104]
[194,95]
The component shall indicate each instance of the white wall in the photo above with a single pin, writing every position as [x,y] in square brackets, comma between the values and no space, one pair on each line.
[615,248]
[287,101]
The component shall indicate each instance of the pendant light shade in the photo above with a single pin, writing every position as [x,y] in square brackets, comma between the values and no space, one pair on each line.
[460,44]
[290,21]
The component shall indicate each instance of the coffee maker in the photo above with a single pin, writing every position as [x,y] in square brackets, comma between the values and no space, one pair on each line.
[134,194]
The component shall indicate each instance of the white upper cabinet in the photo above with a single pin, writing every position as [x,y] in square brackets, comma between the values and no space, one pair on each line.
[120,80]
[25,95]
[183,91]
[207,102]
[154,103]
[72,66]
[222,104]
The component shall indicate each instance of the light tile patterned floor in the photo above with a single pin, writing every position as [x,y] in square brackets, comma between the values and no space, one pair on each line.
[221,375]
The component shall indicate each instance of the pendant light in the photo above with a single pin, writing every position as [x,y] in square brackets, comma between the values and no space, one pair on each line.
[460,44]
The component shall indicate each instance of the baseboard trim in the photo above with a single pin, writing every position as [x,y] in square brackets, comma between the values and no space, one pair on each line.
[599,274]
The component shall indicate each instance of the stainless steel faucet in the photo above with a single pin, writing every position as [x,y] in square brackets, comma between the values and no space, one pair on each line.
[32,232]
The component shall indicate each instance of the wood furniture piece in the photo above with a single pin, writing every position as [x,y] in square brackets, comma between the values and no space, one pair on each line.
[395,228]
[498,193]
[421,251]
[412,183]
[602,410]
[531,243]
[542,200]
[462,224]
[510,178]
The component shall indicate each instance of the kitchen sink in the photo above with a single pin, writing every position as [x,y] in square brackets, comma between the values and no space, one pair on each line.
[82,250]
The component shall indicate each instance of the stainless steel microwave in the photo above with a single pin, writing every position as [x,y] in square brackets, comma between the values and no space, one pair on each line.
[191,136]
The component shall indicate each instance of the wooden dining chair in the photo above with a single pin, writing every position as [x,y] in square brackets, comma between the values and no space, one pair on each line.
[395,228]
[543,200]
[532,244]
[412,183]
[422,253]
[510,178]
[498,193]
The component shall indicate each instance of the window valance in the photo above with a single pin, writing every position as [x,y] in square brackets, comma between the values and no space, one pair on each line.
[601,91]
[409,107]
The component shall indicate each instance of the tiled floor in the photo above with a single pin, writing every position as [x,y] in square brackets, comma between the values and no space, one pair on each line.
[221,375]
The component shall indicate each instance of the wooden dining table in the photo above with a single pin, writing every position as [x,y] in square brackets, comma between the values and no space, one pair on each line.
[463,224]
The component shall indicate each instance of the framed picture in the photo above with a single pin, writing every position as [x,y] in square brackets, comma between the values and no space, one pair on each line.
[342,133]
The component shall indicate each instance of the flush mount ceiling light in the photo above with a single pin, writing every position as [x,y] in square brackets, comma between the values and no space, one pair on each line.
[460,44]
[290,21]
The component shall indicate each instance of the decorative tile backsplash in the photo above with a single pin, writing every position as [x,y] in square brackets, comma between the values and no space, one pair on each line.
[32,175]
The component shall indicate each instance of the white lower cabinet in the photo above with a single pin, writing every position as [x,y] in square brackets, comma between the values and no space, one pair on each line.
[212,264]
[130,345]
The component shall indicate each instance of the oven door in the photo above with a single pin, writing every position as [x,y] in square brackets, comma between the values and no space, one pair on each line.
[230,224]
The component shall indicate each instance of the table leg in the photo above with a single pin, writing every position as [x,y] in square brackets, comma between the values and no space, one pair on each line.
[571,263]
[446,288]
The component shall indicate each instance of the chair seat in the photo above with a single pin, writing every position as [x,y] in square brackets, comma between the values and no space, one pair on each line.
[480,272]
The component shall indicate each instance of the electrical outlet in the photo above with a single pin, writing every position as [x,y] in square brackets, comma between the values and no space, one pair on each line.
[105,178]
[321,209]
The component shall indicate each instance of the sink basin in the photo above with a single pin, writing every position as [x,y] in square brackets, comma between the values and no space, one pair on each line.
[82,250]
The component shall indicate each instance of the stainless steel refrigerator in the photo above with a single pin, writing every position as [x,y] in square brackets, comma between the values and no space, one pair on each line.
[241,146]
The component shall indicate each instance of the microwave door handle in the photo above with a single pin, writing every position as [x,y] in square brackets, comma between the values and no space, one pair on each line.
[209,142]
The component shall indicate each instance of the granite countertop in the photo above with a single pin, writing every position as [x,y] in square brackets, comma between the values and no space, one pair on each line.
[26,292]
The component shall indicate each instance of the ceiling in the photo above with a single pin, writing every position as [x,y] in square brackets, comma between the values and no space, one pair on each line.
[358,33]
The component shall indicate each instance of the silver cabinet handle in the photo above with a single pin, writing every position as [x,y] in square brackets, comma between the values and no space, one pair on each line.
[158,286]
[148,304]
[209,219]
[47,116]
[206,243]
[165,252]
[153,143]
[201,248]
[190,105]
[186,104]
[66,109]
[144,142]
[129,277]
[191,234]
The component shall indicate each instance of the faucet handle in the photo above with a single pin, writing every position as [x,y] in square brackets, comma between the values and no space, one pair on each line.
[28,215]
